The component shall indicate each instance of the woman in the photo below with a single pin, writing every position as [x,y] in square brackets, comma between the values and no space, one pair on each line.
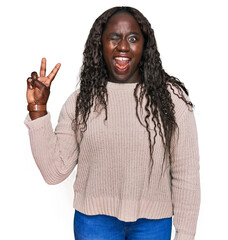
[136,168]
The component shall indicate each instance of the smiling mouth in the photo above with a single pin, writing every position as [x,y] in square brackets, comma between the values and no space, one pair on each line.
[121,63]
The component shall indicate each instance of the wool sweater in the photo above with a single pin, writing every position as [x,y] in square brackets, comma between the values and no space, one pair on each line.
[114,161]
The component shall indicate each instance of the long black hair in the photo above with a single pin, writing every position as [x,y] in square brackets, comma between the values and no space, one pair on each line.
[154,83]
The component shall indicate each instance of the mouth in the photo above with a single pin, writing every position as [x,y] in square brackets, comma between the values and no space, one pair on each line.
[121,64]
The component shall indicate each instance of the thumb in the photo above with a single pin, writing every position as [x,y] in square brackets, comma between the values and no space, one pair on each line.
[40,85]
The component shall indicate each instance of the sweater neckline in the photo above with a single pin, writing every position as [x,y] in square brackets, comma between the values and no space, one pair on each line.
[121,86]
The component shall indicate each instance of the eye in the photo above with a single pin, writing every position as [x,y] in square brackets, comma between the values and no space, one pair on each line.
[132,39]
[114,38]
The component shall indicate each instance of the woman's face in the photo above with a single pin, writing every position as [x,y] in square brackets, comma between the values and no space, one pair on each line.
[122,48]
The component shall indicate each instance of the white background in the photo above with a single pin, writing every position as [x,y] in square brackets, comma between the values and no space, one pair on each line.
[192,39]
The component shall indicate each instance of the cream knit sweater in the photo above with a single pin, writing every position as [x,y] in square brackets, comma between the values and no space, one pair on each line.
[113,165]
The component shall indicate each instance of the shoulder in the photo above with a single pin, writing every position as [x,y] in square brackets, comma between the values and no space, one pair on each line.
[180,105]
[72,96]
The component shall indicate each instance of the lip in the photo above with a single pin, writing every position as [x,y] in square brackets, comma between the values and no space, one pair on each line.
[122,55]
[117,68]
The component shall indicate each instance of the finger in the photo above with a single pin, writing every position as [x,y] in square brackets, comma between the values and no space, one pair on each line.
[30,91]
[30,96]
[44,80]
[39,85]
[29,83]
[43,67]
[53,73]
[34,75]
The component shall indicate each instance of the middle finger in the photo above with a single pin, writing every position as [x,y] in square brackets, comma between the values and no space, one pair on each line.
[51,76]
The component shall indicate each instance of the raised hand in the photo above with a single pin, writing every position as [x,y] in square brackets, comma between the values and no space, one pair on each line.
[38,88]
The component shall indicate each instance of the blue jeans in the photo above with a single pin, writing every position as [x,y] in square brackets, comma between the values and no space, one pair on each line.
[104,227]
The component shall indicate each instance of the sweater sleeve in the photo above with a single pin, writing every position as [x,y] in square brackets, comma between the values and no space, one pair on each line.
[185,178]
[54,152]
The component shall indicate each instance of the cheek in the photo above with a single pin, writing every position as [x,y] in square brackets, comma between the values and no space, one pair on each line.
[108,50]
[138,51]
[110,46]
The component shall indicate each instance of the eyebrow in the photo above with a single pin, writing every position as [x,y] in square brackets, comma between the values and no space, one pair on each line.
[118,34]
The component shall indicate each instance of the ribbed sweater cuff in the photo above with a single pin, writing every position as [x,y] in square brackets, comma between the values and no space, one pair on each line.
[38,122]
[183,236]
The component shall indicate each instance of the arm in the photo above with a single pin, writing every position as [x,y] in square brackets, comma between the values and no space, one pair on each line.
[185,178]
[54,152]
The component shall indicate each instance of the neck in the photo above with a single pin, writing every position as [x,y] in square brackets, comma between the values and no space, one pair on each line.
[134,78]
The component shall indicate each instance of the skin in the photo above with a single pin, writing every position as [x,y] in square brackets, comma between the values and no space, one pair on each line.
[38,88]
[123,37]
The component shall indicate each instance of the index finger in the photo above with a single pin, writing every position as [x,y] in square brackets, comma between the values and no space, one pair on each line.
[53,73]
[43,67]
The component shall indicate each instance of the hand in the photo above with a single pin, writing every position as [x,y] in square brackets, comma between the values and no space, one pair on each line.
[38,88]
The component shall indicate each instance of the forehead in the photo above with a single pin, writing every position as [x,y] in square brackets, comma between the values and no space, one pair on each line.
[121,22]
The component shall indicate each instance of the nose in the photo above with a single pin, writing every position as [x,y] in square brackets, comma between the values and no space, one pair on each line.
[123,46]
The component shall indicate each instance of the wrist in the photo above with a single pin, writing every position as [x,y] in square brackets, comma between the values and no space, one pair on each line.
[37,110]
[36,107]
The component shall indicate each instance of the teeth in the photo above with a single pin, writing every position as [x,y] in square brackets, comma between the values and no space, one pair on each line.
[122,58]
